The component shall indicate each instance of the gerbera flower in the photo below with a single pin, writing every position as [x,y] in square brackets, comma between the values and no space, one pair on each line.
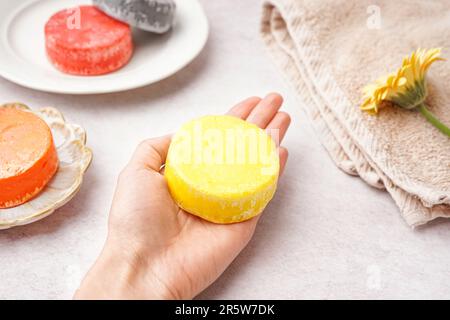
[405,88]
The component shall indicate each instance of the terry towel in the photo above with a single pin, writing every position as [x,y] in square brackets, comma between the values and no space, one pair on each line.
[329,50]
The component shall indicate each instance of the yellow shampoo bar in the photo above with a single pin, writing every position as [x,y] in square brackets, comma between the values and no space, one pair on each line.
[222,169]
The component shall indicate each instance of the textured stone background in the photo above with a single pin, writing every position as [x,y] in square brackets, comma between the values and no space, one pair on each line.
[325,235]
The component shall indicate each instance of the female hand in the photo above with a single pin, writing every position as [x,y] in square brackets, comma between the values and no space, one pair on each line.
[154,249]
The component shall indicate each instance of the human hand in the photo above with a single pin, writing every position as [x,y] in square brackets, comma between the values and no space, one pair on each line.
[154,249]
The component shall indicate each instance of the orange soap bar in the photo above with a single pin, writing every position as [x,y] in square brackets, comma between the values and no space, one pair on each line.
[28,158]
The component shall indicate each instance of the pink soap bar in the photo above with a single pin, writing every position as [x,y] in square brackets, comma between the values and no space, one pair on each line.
[85,41]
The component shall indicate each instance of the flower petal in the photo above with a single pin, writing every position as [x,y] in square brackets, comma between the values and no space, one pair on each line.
[406,87]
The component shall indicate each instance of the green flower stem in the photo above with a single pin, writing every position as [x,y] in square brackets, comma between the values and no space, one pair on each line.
[433,120]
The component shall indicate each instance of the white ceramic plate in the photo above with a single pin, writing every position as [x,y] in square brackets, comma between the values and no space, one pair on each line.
[23,59]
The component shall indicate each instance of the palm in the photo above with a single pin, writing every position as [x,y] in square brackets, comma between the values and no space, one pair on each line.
[187,252]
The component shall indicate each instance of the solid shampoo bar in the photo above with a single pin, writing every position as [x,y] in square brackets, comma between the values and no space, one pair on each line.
[222,169]
[149,15]
[28,157]
[85,41]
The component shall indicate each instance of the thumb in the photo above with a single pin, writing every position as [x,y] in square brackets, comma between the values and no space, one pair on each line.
[151,153]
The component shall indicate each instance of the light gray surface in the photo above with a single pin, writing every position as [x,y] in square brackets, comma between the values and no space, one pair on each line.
[325,235]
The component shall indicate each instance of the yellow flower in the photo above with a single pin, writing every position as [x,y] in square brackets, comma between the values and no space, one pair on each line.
[405,88]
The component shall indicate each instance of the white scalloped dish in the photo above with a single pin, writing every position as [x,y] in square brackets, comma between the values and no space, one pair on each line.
[74,159]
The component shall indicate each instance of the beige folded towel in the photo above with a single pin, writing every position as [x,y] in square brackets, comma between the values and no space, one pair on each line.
[329,50]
